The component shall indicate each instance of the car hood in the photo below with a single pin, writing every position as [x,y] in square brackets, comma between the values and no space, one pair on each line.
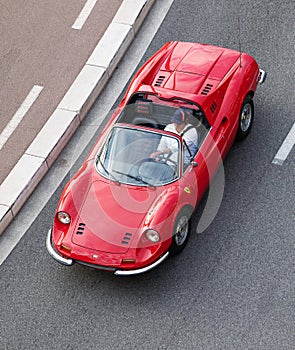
[111,215]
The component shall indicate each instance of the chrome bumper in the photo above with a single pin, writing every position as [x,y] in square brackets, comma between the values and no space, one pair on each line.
[55,254]
[261,76]
[143,269]
[70,262]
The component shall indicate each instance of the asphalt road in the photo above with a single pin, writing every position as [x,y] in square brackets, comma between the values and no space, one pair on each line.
[233,286]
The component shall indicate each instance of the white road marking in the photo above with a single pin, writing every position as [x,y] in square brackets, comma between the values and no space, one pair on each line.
[285,148]
[84,14]
[19,115]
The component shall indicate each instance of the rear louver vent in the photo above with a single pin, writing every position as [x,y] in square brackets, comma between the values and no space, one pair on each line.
[213,107]
[126,238]
[207,89]
[81,228]
[160,80]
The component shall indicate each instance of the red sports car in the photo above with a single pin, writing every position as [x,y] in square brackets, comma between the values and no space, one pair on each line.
[129,206]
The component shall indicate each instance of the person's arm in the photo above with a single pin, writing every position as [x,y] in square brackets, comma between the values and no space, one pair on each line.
[165,146]
[160,152]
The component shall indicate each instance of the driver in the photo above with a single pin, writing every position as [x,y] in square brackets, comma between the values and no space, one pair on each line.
[180,126]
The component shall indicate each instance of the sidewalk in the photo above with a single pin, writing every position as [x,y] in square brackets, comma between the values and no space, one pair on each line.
[40,155]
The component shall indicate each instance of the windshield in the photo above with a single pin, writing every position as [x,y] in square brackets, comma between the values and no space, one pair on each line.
[125,157]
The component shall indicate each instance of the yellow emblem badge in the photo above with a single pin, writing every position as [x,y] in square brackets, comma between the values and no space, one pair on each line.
[187,190]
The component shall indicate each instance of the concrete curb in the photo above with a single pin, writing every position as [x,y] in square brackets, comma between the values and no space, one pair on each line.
[43,151]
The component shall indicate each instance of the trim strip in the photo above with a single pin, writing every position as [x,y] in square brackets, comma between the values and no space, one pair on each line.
[54,254]
[142,270]
[261,76]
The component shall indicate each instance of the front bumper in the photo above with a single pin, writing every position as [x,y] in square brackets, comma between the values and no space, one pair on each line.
[69,262]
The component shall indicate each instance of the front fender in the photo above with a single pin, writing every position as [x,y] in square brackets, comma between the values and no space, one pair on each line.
[163,212]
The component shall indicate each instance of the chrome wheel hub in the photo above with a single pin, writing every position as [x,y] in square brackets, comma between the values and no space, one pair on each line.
[181,231]
[246,117]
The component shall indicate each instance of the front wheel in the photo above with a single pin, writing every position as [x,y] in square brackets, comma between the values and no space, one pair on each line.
[246,118]
[181,232]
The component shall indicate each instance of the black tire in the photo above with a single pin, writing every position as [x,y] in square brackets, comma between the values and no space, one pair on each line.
[246,118]
[181,232]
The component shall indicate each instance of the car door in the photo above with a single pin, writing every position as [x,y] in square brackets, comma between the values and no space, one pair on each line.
[205,163]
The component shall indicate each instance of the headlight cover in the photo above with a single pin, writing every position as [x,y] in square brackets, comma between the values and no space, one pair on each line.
[152,236]
[64,217]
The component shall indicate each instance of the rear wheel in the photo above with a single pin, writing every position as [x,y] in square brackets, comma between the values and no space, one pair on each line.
[246,118]
[181,232]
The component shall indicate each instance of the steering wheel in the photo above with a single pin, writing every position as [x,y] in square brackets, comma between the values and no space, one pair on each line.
[165,158]
[134,167]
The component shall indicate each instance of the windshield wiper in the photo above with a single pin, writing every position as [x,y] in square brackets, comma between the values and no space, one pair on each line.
[136,178]
[107,172]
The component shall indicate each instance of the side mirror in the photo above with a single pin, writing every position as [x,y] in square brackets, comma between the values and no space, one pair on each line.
[194,164]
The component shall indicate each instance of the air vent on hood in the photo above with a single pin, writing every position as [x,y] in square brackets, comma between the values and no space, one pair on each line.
[207,89]
[126,238]
[160,80]
[80,229]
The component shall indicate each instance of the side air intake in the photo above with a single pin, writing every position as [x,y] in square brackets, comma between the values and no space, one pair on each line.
[213,107]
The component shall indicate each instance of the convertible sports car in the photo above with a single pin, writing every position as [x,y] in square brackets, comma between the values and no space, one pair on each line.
[129,205]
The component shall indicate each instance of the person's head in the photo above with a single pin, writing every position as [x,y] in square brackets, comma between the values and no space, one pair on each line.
[179,119]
